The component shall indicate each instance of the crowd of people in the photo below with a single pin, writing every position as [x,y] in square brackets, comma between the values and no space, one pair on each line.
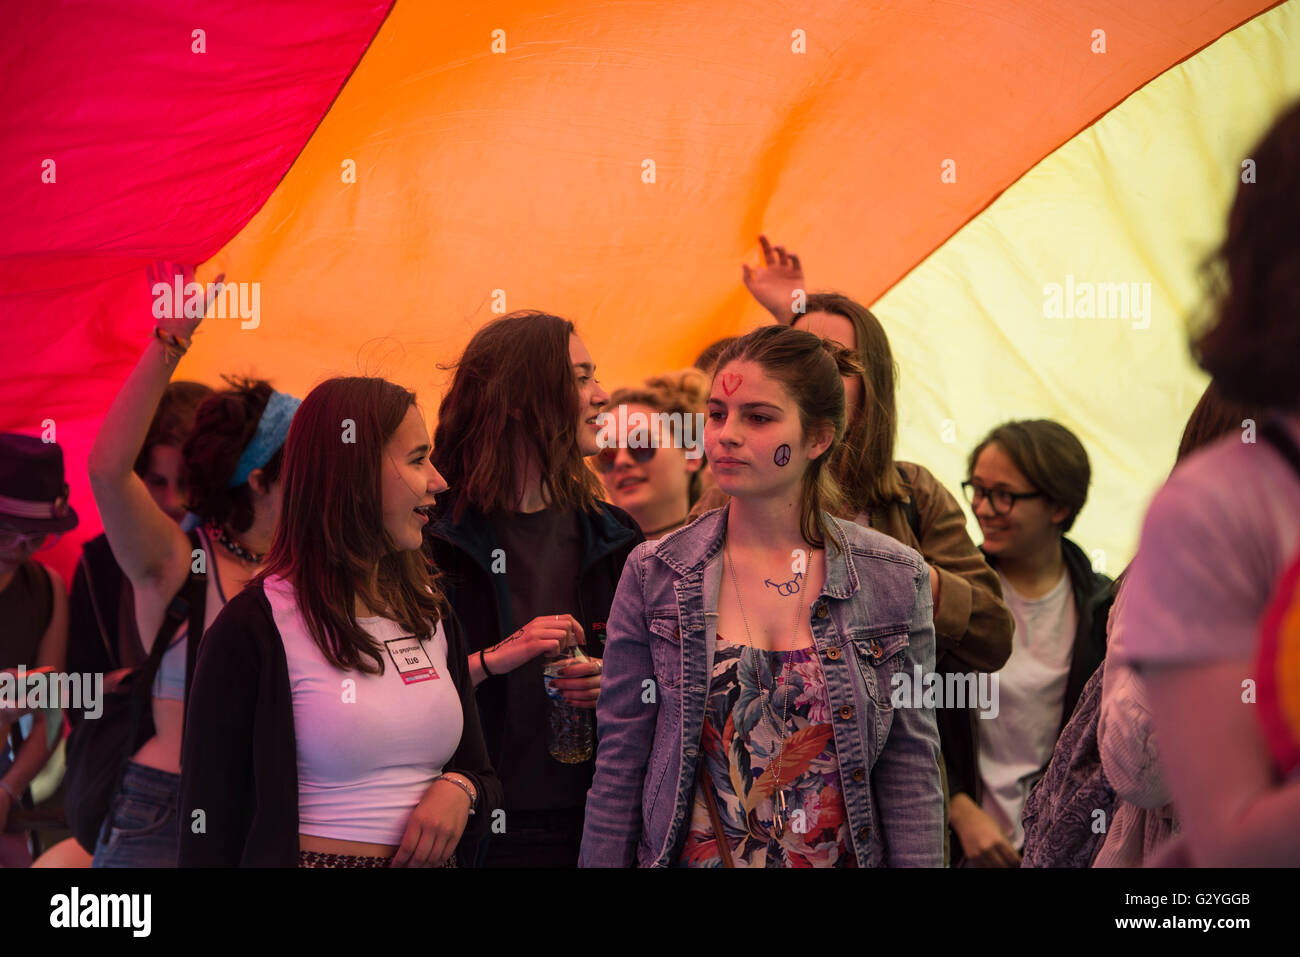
[330,639]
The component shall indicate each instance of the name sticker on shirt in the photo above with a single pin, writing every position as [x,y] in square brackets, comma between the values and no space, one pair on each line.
[410,659]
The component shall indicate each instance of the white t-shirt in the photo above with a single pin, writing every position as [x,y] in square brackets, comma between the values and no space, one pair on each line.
[1016,745]
[368,745]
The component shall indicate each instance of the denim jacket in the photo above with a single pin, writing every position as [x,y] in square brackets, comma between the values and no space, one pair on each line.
[873,619]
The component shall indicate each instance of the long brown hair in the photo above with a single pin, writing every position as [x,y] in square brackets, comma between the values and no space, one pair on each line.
[806,365]
[513,401]
[864,461]
[330,541]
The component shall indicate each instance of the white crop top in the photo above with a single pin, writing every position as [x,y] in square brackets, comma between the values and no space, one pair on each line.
[368,745]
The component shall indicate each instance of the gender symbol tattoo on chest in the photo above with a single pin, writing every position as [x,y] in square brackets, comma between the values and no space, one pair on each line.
[786,588]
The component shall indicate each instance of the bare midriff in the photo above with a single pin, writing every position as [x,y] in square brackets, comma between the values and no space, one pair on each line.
[329,845]
[163,750]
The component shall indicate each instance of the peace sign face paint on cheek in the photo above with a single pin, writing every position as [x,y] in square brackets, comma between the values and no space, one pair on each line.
[782,456]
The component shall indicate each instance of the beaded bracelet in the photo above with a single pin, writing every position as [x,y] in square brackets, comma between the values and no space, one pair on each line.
[176,346]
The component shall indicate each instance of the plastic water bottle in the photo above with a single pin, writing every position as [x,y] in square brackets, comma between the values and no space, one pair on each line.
[572,737]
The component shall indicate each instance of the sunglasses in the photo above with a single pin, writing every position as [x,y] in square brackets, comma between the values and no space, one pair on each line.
[605,458]
[34,541]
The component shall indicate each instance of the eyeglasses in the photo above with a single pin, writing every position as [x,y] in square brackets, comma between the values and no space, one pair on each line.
[33,541]
[1001,499]
[605,458]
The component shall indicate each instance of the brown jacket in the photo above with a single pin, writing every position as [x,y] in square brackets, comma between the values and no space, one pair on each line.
[972,626]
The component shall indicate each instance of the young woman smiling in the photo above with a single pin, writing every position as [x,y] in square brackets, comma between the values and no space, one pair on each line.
[1028,482]
[332,720]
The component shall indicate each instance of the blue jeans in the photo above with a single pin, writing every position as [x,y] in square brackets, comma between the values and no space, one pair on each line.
[143,825]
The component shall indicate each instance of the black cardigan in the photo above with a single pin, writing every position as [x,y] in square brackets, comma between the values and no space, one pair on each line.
[239,760]
[463,551]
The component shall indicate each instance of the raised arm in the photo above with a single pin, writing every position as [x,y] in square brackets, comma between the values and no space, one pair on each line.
[150,547]
[776,282]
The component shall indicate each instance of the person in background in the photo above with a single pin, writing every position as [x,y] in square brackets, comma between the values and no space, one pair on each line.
[647,474]
[102,635]
[531,558]
[231,468]
[1218,536]
[34,513]
[746,725]
[902,499]
[287,770]
[1144,817]
[1028,482]
[1105,759]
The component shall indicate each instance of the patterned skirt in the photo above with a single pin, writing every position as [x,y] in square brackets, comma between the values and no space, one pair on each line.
[321,859]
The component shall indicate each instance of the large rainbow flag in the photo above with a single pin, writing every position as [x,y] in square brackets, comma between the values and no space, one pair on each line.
[390,175]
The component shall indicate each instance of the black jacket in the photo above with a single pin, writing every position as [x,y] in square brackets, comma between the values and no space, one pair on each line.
[239,761]
[462,551]
[1092,601]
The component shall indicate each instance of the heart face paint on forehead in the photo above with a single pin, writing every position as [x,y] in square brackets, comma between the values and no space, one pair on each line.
[730,382]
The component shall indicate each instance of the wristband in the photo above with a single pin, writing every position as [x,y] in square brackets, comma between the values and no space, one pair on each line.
[483,664]
[473,799]
[175,345]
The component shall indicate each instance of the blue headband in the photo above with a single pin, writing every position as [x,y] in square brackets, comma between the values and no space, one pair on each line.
[272,430]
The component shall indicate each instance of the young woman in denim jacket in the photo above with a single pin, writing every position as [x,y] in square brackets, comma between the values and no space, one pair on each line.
[751,656]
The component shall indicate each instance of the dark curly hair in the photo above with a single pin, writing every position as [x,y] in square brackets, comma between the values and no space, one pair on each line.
[223,426]
[1253,350]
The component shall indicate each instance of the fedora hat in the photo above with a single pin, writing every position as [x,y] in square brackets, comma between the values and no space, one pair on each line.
[33,494]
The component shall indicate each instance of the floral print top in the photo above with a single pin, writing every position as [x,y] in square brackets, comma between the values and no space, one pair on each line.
[741,741]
